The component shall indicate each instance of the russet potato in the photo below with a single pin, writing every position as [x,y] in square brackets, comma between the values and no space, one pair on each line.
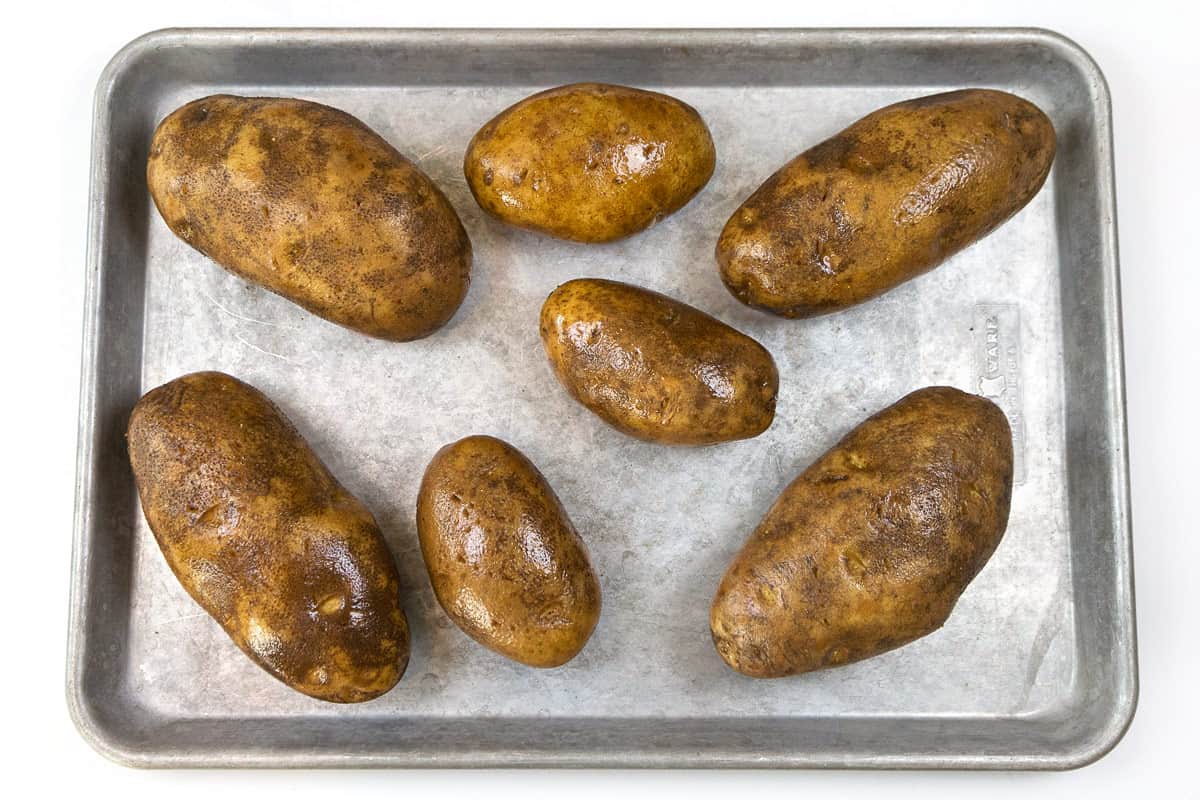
[265,539]
[656,368]
[590,162]
[885,200]
[505,561]
[310,203]
[873,544]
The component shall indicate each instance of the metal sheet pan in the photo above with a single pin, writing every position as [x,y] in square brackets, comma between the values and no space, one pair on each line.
[1035,669]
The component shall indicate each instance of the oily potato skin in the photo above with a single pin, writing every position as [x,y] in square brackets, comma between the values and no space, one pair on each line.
[504,559]
[590,162]
[656,368]
[263,537]
[885,200]
[872,545]
[310,203]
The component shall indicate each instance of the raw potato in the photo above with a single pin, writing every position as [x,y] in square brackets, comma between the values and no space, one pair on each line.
[312,204]
[505,561]
[290,564]
[872,545]
[885,200]
[656,368]
[590,162]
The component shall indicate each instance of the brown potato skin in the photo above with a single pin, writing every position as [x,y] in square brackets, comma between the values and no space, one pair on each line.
[504,559]
[656,368]
[266,540]
[884,201]
[310,203]
[872,545]
[590,162]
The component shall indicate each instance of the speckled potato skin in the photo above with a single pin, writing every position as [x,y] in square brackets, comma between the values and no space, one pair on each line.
[504,559]
[885,200]
[291,565]
[310,203]
[872,545]
[656,368]
[590,162]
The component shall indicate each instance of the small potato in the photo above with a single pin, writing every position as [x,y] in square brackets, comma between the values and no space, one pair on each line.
[290,564]
[872,545]
[590,162]
[313,205]
[505,561]
[657,368]
[885,200]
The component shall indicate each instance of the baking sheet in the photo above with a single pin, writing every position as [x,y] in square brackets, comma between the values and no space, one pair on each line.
[1034,668]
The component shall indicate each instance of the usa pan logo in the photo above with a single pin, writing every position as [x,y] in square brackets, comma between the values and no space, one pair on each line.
[998,370]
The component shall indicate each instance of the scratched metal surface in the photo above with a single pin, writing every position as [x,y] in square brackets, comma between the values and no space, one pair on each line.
[1035,667]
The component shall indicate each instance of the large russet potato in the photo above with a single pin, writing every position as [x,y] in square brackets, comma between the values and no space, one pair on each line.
[310,203]
[872,545]
[504,559]
[266,540]
[885,200]
[656,368]
[590,162]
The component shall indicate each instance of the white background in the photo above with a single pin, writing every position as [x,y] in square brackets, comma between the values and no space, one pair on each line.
[52,56]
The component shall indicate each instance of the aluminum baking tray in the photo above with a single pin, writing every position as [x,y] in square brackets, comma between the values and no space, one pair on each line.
[1035,669]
